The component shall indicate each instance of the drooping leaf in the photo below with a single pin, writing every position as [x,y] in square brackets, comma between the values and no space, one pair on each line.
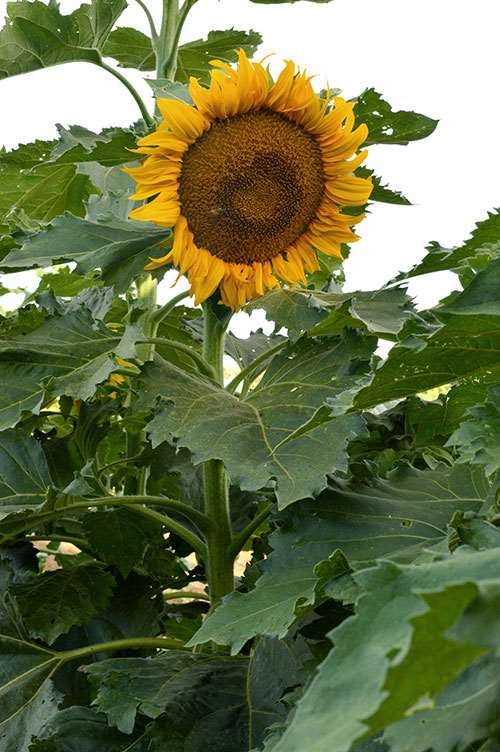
[349,689]
[54,602]
[476,252]
[36,708]
[464,712]
[387,126]
[381,192]
[131,48]
[24,475]
[120,249]
[82,729]
[391,519]
[194,57]
[68,354]
[465,347]
[78,145]
[478,436]
[280,431]
[201,701]
[121,537]
[24,668]
[327,313]
[37,35]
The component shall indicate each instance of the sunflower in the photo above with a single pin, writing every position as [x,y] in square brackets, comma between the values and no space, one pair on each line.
[252,178]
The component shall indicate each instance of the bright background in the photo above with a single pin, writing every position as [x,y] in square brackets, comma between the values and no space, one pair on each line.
[438,57]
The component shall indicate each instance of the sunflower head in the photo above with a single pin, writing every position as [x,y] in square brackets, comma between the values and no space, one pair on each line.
[252,177]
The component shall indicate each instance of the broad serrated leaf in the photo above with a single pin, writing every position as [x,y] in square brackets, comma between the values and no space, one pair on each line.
[24,475]
[164,88]
[202,702]
[121,537]
[478,436]
[77,145]
[120,249]
[54,602]
[36,709]
[245,350]
[349,687]
[24,668]
[464,347]
[68,354]
[37,35]
[382,311]
[38,190]
[391,519]
[387,126]
[194,58]
[465,712]
[82,729]
[382,193]
[131,48]
[281,432]
[482,246]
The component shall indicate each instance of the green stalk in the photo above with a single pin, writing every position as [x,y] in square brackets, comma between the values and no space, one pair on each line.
[219,538]
[133,643]
[248,370]
[146,293]
[166,50]
[134,503]
[144,110]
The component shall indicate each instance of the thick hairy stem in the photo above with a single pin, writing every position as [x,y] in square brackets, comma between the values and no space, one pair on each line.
[220,559]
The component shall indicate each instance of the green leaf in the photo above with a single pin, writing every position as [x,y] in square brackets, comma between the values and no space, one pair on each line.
[35,708]
[475,253]
[111,147]
[382,311]
[194,57]
[390,519]
[54,602]
[82,729]
[202,702]
[349,688]
[37,35]
[464,347]
[463,713]
[120,249]
[415,677]
[37,190]
[245,350]
[24,668]
[24,475]
[168,682]
[386,126]
[164,88]
[380,192]
[131,48]
[280,431]
[478,437]
[76,347]
[121,537]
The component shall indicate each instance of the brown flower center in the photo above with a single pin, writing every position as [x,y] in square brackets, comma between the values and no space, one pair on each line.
[250,186]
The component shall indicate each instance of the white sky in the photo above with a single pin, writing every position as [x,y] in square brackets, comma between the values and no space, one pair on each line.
[439,57]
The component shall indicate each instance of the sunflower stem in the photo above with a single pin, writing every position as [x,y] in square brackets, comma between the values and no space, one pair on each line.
[146,293]
[144,110]
[220,561]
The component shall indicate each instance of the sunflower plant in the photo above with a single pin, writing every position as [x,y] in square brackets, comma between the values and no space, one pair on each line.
[282,542]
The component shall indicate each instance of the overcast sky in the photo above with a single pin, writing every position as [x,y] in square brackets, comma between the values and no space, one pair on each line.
[439,57]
